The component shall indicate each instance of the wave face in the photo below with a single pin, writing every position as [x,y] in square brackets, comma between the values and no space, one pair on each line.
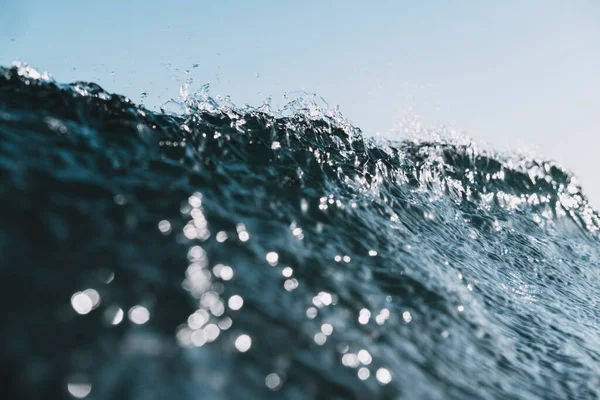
[225,253]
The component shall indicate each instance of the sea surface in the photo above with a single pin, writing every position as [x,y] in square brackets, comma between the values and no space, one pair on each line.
[213,252]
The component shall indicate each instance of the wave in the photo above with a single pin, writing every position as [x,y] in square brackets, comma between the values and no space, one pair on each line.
[222,252]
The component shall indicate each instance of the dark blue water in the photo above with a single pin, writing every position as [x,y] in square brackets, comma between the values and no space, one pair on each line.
[225,253]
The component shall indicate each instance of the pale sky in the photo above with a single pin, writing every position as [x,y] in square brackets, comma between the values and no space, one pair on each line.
[517,74]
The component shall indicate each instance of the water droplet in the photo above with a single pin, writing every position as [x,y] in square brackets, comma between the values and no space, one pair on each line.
[364,357]
[384,376]
[272,258]
[235,302]
[165,227]
[139,315]
[320,338]
[243,343]
[364,316]
[327,329]
[82,303]
[114,315]
[221,236]
[273,381]
[311,312]
[364,373]
[79,386]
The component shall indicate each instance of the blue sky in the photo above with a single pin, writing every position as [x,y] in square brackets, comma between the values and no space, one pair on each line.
[514,74]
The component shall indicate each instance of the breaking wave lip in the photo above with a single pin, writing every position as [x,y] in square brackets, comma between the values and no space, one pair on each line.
[210,250]
[456,155]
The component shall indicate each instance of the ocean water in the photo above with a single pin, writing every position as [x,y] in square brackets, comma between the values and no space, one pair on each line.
[243,253]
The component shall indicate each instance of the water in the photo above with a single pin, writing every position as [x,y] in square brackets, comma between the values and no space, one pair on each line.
[224,253]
